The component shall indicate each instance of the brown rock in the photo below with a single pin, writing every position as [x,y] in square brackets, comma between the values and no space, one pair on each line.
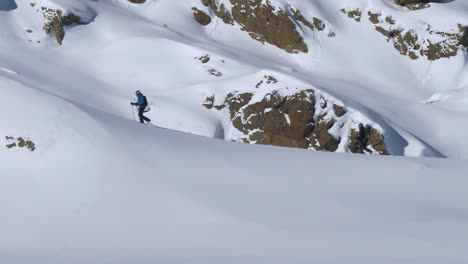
[267,25]
[201,17]
[256,108]
[375,140]
[209,102]
[219,10]
[275,122]
[300,109]
[374,18]
[204,59]
[57,25]
[56,22]
[321,139]
[283,121]
[406,2]
[339,110]
[354,14]
[288,121]
[236,101]
[464,40]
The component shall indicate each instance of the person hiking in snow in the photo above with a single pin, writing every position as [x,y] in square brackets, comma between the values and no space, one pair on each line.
[141,104]
[363,138]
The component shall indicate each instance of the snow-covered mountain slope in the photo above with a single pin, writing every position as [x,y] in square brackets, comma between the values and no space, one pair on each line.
[100,189]
[81,181]
[361,54]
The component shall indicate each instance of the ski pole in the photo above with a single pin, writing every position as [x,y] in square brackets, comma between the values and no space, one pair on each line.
[133,112]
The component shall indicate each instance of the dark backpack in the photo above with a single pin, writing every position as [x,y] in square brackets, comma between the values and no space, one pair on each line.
[145,102]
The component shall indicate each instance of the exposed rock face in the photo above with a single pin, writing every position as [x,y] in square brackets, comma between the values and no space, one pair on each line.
[445,49]
[281,121]
[354,14]
[209,102]
[417,4]
[266,80]
[375,142]
[339,110]
[405,2]
[436,44]
[20,142]
[201,17]
[300,120]
[464,40]
[266,24]
[315,25]
[263,22]
[204,59]
[215,72]
[219,10]
[137,1]
[71,19]
[56,22]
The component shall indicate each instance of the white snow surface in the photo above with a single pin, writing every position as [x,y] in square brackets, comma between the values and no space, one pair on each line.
[101,188]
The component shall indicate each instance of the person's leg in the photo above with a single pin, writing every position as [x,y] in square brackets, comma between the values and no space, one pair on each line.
[140,115]
[146,119]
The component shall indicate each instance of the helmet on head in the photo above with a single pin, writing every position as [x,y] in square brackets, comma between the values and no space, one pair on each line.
[361,125]
[138,92]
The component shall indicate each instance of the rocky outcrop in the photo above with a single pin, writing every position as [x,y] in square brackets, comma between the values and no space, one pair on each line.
[205,59]
[464,39]
[303,119]
[375,142]
[315,25]
[20,142]
[434,46]
[266,80]
[55,22]
[214,72]
[354,14]
[266,24]
[262,21]
[281,121]
[418,4]
[219,10]
[137,1]
[405,2]
[201,17]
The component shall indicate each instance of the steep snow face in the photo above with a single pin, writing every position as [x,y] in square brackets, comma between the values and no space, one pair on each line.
[355,53]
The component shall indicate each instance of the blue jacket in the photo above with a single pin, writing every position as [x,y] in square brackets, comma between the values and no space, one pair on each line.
[141,101]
